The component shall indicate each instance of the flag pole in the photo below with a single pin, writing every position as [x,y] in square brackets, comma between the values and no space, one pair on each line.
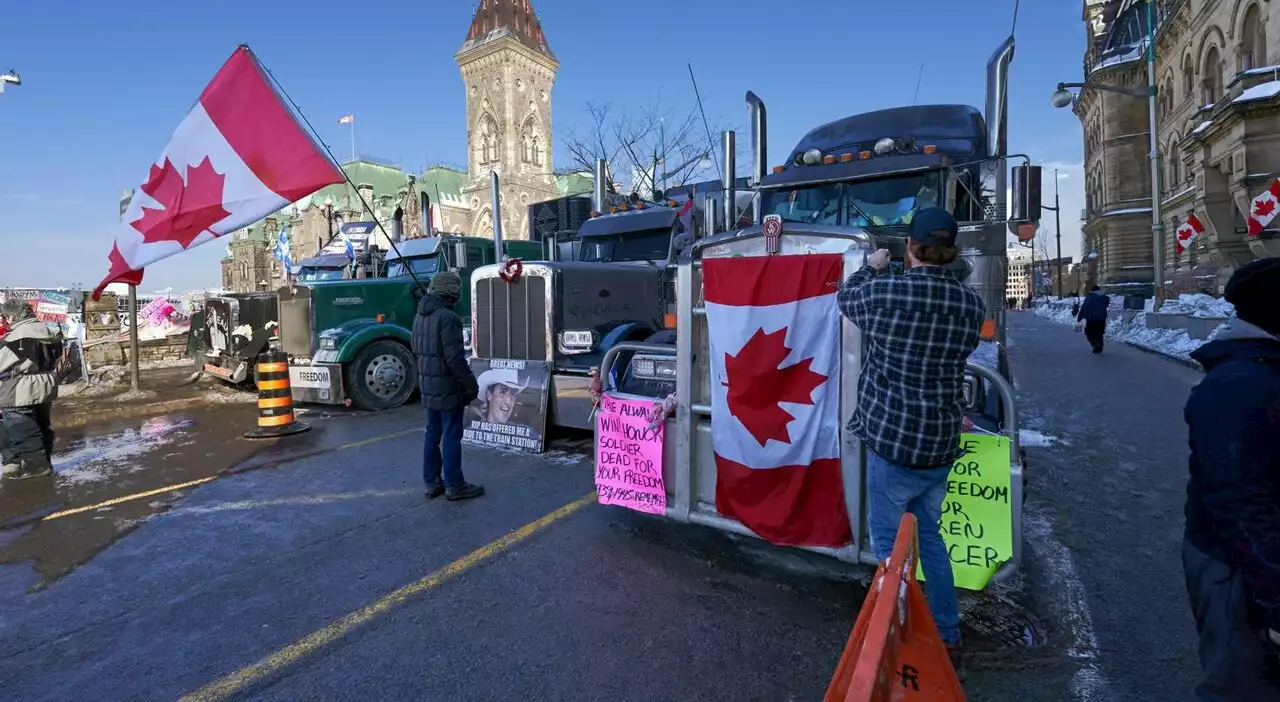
[133,336]
[353,137]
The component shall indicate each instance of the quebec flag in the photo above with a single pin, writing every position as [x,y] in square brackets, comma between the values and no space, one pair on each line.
[282,248]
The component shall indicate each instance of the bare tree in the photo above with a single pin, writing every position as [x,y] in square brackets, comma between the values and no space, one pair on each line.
[648,150]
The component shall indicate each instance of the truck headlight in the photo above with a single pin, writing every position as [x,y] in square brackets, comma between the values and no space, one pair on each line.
[328,342]
[577,341]
[653,368]
[971,386]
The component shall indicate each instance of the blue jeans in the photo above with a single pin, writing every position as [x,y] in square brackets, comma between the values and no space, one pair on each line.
[893,491]
[442,448]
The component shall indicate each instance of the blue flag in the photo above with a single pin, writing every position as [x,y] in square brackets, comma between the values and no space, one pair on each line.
[282,253]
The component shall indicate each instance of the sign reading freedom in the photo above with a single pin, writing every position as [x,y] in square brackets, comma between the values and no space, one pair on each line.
[629,456]
[977,516]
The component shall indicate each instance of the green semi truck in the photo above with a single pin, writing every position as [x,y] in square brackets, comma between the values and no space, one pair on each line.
[348,340]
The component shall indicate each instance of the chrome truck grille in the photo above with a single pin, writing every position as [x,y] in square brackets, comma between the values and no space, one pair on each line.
[511,320]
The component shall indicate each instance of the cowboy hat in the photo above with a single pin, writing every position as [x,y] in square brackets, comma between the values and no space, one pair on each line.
[500,376]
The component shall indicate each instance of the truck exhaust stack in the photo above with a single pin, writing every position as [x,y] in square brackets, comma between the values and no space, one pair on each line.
[730,167]
[759,137]
[997,112]
[497,216]
[598,191]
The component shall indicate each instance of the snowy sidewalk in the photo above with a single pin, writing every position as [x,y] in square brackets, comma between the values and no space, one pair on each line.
[1131,326]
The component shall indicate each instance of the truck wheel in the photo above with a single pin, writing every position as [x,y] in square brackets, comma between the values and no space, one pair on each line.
[381,376]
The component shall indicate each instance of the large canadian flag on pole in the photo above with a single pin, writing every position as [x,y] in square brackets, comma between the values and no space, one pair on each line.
[775,395]
[238,156]
[1264,208]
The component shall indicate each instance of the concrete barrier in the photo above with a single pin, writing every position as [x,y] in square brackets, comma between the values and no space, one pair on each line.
[1202,327]
[1158,320]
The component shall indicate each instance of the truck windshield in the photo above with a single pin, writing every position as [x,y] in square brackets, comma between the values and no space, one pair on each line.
[314,274]
[647,245]
[882,202]
[401,267]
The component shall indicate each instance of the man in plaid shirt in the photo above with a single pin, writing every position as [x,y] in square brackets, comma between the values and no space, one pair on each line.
[919,329]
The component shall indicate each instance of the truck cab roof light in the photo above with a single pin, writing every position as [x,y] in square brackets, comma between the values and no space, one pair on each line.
[929,149]
[864,155]
[828,160]
[640,205]
[595,213]
[846,157]
[779,169]
[885,146]
[613,210]
[812,157]
[671,203]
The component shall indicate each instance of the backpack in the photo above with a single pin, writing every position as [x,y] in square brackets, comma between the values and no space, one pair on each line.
[44,353]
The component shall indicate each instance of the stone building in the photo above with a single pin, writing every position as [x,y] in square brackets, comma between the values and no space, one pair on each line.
[508,72]
[1218,126]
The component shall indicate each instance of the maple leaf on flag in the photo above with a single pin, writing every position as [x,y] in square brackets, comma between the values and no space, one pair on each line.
[191,206]
[757,385]
[1264,208]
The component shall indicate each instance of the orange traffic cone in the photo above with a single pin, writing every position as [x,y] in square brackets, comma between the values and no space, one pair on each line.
[275,399]
[895,652]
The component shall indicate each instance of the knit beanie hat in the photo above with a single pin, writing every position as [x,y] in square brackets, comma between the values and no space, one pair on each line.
[446,284]
[1255,291]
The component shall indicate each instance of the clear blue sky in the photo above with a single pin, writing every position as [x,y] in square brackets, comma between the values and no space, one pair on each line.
[105,84]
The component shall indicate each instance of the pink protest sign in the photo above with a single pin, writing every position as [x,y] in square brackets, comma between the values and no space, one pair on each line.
[629,456]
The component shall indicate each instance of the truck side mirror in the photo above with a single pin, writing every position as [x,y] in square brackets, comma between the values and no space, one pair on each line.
[1026,193]
[459,251]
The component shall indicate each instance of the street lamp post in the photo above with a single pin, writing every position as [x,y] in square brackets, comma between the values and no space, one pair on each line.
[1057,217]
[1063,98]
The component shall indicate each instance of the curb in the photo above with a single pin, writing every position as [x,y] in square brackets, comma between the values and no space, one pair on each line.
[1168,357]
[75,420]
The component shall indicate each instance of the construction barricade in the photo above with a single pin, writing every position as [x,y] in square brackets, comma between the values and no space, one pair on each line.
[275,399]
[895,651]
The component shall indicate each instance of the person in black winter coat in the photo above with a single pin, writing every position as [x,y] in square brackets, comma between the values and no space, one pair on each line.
[1231,548]
[447,385]
[1093,312]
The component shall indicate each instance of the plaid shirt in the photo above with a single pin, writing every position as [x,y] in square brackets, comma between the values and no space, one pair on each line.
[918,330]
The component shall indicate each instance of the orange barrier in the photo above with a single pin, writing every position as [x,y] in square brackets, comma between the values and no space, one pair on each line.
[895,652]
[275,399]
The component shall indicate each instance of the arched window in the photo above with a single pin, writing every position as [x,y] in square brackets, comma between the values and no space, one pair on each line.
[531,143]
[1188,77]
[486,140]
[1175,162]
[1211,76]
[1253,41]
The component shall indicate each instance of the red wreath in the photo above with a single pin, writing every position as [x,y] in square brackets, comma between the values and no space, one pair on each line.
[511,270]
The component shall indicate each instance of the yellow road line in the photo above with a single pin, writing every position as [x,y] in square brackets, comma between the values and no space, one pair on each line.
[242,679]
[201,481]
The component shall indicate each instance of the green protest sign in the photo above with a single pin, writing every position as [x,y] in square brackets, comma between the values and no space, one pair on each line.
[977,516]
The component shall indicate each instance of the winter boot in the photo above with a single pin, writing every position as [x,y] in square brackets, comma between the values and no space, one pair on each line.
[465,491]
[37,467]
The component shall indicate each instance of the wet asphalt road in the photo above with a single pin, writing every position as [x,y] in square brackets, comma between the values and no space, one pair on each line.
[307,539]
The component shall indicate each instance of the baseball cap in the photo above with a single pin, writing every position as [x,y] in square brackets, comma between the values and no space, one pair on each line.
[934,225]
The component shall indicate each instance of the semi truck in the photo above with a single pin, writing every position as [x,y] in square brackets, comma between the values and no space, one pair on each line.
[348,340]
[848,187]
[610,282]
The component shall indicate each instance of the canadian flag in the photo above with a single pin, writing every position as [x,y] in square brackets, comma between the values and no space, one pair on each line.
[1187,233]
[238,156]
[775,378]
[1263,208]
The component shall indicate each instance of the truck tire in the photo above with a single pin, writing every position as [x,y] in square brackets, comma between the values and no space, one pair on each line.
[382,376]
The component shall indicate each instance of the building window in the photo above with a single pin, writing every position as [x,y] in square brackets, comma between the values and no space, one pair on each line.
[1212,76]
[486,146]
[531,144]
[1253,41]
[1188,77]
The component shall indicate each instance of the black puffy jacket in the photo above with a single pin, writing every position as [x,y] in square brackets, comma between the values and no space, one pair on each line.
[1233,417]
[444,376]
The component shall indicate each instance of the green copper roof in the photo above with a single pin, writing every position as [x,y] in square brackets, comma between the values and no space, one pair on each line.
[445,180]
[574,183]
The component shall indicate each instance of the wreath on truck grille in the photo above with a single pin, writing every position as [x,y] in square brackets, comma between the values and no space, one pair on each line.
[511,270]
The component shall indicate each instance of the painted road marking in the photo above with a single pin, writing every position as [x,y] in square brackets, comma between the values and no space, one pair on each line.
[242,679]
[201,481]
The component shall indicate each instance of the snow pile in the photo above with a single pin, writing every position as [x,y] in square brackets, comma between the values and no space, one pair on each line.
[1260,92]
[1197,305]
[1172,342]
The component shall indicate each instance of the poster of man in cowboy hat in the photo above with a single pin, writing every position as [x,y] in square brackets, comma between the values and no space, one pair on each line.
[510,410]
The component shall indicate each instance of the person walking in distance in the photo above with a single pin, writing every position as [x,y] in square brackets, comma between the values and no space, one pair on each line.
[1231,547]
[447,385]
[30,356]
[1093,312]
[919,329]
